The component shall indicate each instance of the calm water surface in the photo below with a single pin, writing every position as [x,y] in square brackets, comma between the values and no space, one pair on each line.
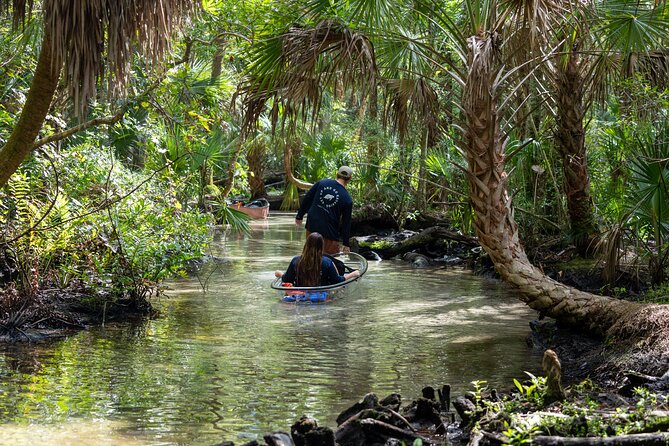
[227,361]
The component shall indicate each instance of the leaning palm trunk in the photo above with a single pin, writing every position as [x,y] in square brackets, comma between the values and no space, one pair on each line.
[42,89]
[497,230]
[570,139]
[288,168]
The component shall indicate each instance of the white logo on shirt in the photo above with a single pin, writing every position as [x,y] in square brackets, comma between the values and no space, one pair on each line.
[328,197]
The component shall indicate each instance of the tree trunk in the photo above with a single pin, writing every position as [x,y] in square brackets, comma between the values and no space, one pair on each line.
[498,232]
[217,60]
[373,146]
[230,178]
[255,158]
[42,89]
[288,167]
[422,172]
[570,138]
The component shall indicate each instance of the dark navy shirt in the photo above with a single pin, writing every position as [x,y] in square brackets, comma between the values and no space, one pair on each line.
[329,274]
[328,205]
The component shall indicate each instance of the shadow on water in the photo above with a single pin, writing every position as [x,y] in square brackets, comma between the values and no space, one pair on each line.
[233,362]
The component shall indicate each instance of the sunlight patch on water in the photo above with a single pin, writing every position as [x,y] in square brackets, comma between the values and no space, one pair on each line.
[471,339]
[76,433]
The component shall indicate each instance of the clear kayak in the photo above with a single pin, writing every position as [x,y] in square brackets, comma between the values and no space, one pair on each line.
[325,293]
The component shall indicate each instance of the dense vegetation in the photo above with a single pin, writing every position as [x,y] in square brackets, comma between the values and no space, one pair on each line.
[142,145]
[127,126]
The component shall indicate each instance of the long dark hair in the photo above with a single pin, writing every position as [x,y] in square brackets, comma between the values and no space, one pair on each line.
[309,266]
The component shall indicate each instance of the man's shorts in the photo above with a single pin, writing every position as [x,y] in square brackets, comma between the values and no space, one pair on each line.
[329,246]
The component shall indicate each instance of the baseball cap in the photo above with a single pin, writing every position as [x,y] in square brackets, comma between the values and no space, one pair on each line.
[345,172]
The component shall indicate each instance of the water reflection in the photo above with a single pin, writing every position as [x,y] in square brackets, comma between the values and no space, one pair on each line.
[227,360]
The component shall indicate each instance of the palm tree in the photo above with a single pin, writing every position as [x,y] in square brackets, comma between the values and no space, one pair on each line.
[86,40]
[484,147]
[255,158]
[592,43]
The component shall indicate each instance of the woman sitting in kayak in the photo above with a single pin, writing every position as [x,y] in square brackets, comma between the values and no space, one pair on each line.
[312,268]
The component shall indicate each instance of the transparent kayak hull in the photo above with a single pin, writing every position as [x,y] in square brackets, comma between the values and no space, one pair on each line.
[323,294]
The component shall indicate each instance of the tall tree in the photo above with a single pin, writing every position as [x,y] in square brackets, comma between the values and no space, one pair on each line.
[484,146]
[597,42]
[88,39]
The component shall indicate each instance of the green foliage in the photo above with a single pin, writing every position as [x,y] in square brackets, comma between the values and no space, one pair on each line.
[116,233]
[583,415]
[447,184]
[229,216]
[322,154]
[648,197]
[521,432]
[658,294]
[291,199]
[479,387]
[535,391]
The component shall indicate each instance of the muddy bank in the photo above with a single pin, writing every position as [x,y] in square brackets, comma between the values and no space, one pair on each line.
[53,313]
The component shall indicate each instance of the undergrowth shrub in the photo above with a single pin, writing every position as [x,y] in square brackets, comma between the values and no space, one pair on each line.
[94,229]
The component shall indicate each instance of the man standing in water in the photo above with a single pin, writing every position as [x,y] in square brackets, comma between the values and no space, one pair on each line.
[329,207]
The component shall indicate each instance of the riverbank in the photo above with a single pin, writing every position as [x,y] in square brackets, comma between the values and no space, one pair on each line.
[637,345]
[54,313]
[538,411]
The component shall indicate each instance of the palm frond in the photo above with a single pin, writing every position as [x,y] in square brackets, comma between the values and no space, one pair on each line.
[236,219]
[632,27]
[95,35]
[412,97]
[375,13]
[293,69]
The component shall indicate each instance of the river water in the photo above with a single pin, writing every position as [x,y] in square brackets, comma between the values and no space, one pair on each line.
[227,361]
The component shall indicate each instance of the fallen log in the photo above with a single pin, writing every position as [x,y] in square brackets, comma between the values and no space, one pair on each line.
[656,439]
[426,238]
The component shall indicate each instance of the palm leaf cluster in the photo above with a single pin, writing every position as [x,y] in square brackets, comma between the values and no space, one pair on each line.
[98,38]
[409,98]
[293,69]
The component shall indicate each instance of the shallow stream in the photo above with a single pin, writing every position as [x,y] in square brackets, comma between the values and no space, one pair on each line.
[227,361]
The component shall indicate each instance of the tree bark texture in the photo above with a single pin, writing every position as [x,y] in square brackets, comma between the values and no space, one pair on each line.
[230,177]
[570,139]
[44,83]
